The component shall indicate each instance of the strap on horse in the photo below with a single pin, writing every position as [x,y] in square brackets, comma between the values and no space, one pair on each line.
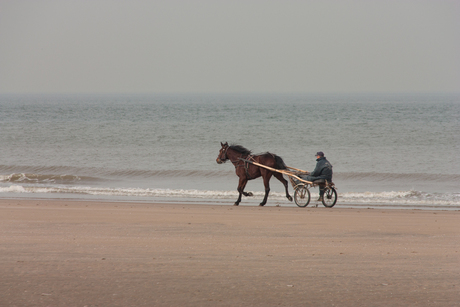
[246,163]
[246,166]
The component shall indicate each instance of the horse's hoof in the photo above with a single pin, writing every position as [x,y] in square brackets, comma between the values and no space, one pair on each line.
[250,194]
[236,204]
[289,198]
[261,205]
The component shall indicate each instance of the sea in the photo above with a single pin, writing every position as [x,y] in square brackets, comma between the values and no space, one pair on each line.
[387,150]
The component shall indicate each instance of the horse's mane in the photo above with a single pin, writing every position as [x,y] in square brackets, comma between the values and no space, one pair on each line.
[243,150]
[240,149]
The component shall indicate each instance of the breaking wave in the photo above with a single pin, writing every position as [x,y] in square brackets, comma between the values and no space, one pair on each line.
[86,182]
[410,198]
[392,176]
[43,178]
[44,173]
[92,173]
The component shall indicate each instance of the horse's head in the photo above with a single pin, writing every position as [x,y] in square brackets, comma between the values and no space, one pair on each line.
[222,156]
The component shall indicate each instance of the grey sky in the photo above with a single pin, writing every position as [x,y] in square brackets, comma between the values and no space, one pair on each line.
[229,46]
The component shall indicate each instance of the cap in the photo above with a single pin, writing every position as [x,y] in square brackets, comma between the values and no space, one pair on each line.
[320,153]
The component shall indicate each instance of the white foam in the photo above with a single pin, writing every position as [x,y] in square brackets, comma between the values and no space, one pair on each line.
[390,197]
[401,197]
[13,188]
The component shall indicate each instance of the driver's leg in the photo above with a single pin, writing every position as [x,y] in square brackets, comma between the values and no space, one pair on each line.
[321,193]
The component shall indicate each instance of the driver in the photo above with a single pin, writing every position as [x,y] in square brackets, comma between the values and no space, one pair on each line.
[323,170]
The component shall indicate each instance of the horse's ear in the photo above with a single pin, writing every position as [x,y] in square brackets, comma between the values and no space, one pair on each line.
[226,144]
[221,144]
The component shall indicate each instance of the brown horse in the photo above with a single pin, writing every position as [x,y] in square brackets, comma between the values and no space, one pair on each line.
[247,171]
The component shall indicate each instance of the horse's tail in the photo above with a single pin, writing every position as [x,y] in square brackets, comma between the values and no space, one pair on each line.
[279,163]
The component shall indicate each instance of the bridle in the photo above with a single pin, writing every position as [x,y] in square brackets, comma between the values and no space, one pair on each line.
[235,162]
[225,157]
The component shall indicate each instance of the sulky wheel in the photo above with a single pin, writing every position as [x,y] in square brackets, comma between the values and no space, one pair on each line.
[329,197]
[302,196]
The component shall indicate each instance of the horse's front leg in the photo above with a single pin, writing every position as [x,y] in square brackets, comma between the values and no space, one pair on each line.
[280,177]
[242,189]
[266,178]
[241,185]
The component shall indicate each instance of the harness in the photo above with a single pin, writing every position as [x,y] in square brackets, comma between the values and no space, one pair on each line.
[240,163]
[246,166]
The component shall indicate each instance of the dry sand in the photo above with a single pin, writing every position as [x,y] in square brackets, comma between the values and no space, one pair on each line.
[70,253]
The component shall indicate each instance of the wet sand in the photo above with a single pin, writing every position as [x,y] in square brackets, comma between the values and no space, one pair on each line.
[79,253]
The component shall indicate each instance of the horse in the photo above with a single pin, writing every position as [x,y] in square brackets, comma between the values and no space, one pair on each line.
[247,171]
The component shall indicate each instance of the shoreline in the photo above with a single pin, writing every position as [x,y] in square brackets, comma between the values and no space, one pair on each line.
[97,253]
[246,203]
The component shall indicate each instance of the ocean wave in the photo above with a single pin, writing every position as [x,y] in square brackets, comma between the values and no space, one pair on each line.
[402,197]
[43,178]
[410,177]
[40,169]
[413,198]
[92,173]
[95,173]
[120,191]
[167,173]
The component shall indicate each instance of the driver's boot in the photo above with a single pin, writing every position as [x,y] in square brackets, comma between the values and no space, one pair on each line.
[321,194]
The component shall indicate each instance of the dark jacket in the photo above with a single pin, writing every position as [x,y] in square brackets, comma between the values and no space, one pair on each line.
[323,169]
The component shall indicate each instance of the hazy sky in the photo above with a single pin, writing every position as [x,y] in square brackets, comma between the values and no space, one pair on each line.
[229,46]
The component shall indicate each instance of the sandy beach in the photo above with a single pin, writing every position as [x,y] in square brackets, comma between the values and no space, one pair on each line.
[81,253]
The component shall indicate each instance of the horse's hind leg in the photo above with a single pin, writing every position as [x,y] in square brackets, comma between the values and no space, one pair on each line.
[266,178]
[280,177]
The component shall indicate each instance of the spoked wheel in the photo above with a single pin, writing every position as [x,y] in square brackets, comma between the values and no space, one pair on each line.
[329,197]
[302,196]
